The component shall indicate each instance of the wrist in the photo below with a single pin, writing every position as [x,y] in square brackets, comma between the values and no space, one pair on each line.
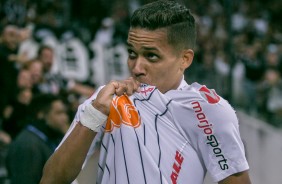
[100,107]
[92,118]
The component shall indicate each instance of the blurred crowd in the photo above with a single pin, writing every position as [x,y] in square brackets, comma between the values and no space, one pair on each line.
[69,48]
[239,54]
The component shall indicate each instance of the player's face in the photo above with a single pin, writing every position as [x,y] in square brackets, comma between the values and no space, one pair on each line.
[153,61]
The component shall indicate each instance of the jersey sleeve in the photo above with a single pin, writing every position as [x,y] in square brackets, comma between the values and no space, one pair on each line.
[218,138]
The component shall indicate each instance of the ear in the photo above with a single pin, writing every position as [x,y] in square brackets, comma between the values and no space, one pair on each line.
[187,58]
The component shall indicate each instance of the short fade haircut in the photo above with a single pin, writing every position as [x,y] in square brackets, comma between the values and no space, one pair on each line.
[174,17]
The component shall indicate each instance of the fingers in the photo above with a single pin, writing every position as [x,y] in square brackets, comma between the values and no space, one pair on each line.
[128,86]
[104,97]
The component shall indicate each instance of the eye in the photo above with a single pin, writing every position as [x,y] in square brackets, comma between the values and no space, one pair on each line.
[152,56]
[131,54]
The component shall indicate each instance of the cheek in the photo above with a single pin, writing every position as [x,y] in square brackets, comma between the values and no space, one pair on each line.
[168,68]
[156,74]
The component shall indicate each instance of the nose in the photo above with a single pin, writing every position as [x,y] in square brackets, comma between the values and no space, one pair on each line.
[138,67]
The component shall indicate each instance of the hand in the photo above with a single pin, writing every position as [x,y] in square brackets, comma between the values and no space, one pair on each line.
[105,96]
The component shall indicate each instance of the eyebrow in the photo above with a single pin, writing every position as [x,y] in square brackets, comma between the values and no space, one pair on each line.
[145,48]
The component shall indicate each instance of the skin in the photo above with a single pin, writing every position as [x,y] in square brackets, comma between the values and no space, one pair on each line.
[10,37]
[237,178]
[46,57]
[151,60]
[36,71]
[24,79]
[57,117]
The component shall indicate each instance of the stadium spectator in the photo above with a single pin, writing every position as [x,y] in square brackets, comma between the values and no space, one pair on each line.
[16,113]
[28,153]
[8,65]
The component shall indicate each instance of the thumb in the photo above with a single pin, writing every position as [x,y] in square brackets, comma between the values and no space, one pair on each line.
[104,98]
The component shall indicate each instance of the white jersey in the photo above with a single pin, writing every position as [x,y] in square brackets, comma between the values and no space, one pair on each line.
[174,137]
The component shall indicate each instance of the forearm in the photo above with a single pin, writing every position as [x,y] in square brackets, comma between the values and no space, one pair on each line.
[65,164]
[238,178]
[62,167]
